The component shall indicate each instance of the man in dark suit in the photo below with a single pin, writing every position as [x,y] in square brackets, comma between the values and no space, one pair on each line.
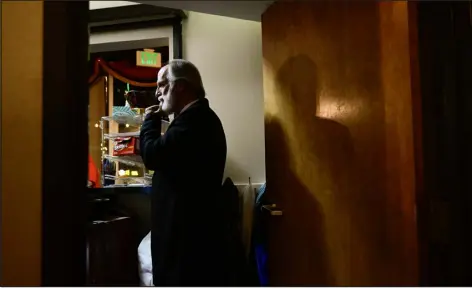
[188,163]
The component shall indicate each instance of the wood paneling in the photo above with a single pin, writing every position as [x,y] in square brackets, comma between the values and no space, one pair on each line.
[21,129]
[97,109]
[339,143]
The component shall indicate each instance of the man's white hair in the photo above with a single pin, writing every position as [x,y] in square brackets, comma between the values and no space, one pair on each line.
[184,69]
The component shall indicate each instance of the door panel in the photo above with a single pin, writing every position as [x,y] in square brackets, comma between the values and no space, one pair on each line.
[21,132]
[339,143]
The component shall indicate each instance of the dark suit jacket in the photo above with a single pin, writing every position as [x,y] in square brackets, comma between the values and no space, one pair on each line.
[188,163]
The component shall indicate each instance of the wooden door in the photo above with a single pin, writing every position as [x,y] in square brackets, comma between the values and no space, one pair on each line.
[340,158]
[21,129]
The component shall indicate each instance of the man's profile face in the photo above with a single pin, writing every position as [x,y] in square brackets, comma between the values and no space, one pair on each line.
[165,92]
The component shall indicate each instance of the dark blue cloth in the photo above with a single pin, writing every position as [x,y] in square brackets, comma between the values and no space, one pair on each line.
[259,240]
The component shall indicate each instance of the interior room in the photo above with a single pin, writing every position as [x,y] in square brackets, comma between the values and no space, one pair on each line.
[228,53]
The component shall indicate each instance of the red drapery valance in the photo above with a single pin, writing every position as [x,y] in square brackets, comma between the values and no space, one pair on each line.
[125,72]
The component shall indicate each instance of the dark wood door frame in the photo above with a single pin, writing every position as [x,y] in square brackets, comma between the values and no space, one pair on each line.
[444,210]
[65,142]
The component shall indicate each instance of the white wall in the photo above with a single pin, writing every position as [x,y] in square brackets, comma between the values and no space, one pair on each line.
[228,53]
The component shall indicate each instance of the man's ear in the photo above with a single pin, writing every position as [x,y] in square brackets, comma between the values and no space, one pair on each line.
[179,86]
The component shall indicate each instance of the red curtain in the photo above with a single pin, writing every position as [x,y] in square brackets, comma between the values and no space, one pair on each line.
[126,72]
[131,71]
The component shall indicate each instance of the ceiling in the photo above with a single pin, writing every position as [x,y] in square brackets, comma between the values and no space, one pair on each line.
[248,10]
[94,5]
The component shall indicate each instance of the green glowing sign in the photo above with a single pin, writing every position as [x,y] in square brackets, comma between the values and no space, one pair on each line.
[148,58]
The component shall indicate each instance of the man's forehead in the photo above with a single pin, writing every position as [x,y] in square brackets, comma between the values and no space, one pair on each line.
[162,74]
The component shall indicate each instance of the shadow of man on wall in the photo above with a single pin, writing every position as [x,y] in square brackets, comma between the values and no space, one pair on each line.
[310,173]
[296,240]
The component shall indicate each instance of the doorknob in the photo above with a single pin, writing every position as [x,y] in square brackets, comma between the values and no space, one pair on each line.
[272,209]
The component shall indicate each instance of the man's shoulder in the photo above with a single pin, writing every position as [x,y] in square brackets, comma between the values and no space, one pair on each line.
[204,120]
[198,113]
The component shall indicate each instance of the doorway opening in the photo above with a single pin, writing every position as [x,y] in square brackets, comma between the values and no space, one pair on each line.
[227,52]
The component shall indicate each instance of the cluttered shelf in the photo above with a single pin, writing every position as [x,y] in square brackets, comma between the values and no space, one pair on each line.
[122,165]
[130,120]
[135,120]
[121,135]
[131,160]
[131,181]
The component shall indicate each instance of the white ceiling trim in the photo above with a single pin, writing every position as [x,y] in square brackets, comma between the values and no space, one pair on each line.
[93,5]
[248,10]
[132,39]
